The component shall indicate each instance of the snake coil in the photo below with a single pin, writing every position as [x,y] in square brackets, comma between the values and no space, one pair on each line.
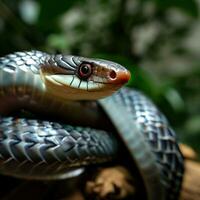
[43,149]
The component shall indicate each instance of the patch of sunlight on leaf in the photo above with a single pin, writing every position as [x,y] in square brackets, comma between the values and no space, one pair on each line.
[29,11]
[192,126]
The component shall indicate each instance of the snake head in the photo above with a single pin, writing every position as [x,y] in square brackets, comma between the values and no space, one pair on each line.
[79,78]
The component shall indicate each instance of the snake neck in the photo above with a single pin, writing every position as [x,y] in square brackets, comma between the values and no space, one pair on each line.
[20,81]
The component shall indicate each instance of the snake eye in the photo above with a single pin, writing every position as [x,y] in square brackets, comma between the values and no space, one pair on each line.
[85,70]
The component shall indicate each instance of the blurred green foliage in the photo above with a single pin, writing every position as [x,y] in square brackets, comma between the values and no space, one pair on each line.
[156,39]
[190,7]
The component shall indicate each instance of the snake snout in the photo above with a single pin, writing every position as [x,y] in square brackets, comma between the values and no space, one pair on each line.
[119,77]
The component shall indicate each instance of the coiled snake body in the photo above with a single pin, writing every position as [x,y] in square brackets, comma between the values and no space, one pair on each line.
[61,86]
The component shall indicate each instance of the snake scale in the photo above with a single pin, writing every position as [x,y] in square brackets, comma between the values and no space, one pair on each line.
[69,88]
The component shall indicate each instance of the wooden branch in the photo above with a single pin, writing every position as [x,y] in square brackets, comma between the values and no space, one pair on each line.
[191,182]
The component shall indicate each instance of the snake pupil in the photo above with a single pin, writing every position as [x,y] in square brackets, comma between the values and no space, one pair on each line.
[85,70]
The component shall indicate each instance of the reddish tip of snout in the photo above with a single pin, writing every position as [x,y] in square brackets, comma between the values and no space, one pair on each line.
[120,77]
[124,77]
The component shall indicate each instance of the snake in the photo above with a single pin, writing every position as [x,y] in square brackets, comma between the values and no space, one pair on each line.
[84,117]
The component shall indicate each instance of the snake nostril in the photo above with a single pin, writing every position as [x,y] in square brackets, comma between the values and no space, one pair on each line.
[113,74]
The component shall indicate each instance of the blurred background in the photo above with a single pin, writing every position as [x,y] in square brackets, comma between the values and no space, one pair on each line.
[157,40]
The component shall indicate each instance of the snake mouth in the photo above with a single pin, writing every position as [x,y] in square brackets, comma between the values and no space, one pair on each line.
[76,90]
[72,82]
[99,80]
